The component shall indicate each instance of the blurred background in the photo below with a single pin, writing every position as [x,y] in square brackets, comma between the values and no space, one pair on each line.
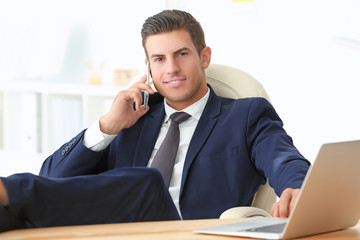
[62,62]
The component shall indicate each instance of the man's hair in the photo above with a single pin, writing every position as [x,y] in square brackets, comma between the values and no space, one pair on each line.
[169,20]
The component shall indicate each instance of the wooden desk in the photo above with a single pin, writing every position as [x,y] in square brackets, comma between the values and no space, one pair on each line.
[170,230]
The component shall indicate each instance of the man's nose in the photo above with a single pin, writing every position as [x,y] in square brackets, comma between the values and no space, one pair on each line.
[173,66]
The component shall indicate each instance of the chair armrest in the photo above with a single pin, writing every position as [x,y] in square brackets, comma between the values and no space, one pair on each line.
[244,212]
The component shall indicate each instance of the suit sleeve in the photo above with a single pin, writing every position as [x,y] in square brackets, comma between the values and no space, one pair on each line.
[73,159]
[272,150]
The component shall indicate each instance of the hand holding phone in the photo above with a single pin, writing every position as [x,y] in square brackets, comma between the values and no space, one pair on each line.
[146,94]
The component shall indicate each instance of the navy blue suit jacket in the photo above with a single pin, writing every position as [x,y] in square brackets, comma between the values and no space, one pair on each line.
[237,144]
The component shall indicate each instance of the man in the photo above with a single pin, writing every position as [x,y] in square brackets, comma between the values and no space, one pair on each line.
[227,147]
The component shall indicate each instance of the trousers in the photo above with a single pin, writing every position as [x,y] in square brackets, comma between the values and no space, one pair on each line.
[119,195]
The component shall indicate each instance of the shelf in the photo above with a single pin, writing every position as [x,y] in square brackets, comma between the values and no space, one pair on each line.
[38,117]
[15,162]
[61,88]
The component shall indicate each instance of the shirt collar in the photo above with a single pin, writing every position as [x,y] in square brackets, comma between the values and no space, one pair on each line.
[195,109]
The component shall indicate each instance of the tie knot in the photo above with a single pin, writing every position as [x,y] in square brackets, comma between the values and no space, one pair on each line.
[179,117]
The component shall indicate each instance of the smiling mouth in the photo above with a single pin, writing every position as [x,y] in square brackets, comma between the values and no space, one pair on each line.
[174,79]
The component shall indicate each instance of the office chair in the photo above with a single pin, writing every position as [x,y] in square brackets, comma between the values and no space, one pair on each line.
[234,83]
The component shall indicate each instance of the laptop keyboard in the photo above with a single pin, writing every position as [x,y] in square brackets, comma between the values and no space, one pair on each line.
[276,228]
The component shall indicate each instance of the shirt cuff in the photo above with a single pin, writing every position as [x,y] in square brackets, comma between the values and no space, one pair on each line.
[96,140]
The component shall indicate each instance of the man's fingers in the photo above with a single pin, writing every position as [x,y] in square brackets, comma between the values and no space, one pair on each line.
[284,203]
[287,201]
[295,195]
[143,86]
[275,210]
[135,91]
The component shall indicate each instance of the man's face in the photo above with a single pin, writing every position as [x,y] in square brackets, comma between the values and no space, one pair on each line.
[177,69]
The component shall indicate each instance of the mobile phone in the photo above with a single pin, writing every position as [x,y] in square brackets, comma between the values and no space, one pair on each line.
[146,94]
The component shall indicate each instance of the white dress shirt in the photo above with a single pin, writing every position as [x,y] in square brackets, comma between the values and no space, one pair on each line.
[97,141]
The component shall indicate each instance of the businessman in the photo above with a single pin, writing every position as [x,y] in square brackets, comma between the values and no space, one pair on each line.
[227,147]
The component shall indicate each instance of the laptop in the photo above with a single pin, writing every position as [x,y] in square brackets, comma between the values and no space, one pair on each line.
[329,199]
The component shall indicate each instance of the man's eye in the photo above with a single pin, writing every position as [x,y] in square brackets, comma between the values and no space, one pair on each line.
[182,54]
[158,59]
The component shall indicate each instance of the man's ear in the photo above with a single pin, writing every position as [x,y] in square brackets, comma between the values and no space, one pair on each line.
[205,57]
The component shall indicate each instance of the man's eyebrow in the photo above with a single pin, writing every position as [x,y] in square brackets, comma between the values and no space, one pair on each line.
[156,55]
[182,49]
[176,52]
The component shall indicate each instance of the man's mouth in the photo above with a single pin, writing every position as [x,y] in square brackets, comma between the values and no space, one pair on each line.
[174,81]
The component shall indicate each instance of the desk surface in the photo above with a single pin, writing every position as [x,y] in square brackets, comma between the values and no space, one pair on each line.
[147,230]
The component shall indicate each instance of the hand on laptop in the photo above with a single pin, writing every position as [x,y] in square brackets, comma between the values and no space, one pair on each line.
[283,207]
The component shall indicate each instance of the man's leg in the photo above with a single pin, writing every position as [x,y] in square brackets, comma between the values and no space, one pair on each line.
[8,221]
[119,195]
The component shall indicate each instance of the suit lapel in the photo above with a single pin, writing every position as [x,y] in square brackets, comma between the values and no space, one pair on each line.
[148,136]
[203,129]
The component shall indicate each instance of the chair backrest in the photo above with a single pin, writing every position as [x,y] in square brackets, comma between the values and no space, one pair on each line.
[234,83]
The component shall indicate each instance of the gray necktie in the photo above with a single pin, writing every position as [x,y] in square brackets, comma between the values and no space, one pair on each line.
[164,159]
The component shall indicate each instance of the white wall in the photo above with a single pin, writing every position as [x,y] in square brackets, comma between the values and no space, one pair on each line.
[307,55]
[305,52]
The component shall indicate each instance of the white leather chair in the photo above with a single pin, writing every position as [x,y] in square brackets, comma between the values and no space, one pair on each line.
[234,83]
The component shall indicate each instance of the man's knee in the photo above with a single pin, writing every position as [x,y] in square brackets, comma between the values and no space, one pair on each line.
[8,221]
[154,176]
[144,175]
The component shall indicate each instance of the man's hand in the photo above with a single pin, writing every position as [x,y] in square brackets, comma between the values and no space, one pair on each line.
[122,114]
[287,201]
[4,199]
